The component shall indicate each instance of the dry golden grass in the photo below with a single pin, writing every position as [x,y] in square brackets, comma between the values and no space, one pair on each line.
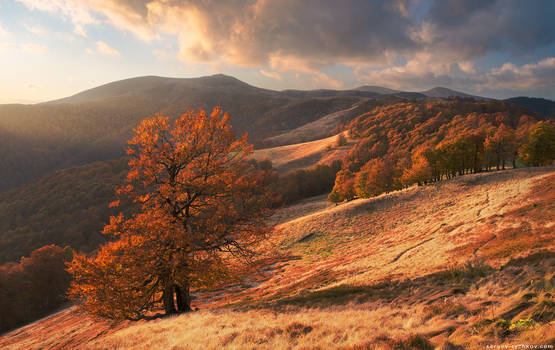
[304,155]
[319,128]
[424,266]
[430,310]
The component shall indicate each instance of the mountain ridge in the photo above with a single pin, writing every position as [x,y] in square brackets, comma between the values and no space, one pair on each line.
[93,125]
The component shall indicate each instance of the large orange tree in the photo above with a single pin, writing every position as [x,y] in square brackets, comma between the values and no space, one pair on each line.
[201,204]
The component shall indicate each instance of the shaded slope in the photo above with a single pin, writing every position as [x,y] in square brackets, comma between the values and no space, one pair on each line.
[67,207]
[539,105]
[93,125]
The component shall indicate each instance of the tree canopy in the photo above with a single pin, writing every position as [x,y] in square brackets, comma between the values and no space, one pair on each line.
[425,141]
[201,204]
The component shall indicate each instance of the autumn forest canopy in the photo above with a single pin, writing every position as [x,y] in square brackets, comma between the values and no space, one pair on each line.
[191,204]
[416,143]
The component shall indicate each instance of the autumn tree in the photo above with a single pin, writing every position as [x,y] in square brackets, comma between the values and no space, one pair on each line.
[376,177]
[201,206]
[343,188]
[33,287]
[420,170]
[501,145]
[539,148]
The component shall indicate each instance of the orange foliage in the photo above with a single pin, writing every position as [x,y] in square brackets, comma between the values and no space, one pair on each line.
[201,205]
[420,141]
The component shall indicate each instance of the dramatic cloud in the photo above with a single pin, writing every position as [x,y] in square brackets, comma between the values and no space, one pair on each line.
[413,42]
[471,28]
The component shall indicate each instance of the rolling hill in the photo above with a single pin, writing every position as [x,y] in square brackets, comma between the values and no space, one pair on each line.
[457,264]
[61,161]
[94,124]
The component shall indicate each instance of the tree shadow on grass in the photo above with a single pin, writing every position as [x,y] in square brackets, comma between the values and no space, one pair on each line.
[433,287]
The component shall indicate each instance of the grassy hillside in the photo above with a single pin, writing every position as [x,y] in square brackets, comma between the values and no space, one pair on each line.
[465,262]
[305,154]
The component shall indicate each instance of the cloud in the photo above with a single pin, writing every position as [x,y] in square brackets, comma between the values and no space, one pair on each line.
[534,76]
[125,15]
[273,75]
[76,11]
[471,28]
[422,73]
[441,41]
[106,49]
[250,32]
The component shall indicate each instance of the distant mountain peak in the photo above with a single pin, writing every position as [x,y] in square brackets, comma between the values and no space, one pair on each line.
[166,87]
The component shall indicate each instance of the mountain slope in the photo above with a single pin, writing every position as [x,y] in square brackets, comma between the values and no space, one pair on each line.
[67,207]
[538,105]
[459,262]
[163,89]
[93,125]
[306,154]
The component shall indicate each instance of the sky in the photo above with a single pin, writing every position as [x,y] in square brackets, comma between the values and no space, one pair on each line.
[500,48]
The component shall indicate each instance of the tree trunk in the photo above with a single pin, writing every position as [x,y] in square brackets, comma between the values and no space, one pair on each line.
[183,298]
[167,298]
